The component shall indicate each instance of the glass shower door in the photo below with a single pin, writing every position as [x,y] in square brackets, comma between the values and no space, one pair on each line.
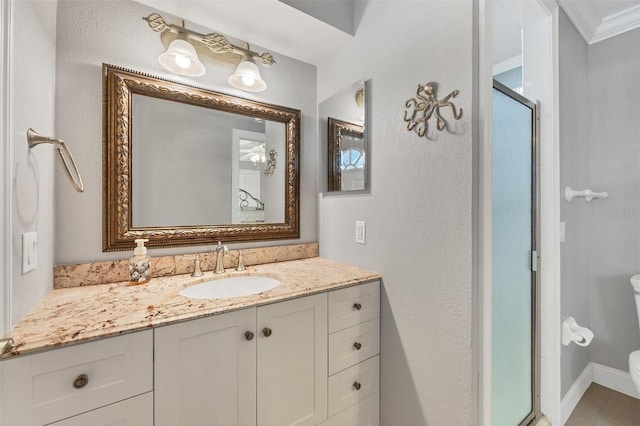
[514,258]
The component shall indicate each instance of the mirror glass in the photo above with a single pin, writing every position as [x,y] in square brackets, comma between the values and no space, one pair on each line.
[342,119]
[196,165]
[187,166]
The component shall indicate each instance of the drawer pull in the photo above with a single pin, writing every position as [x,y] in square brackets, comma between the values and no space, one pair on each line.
[266,331]
[81,381]
[357,306]
[357,385]
[248,335]
[357,345]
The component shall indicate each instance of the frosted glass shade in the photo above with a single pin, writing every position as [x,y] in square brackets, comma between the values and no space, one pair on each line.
[247,77]
[181,58]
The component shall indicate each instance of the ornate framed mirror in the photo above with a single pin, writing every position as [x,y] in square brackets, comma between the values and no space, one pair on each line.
[343,138]
[188,166]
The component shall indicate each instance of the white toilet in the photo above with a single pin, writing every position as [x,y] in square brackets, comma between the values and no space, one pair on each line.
[634,357]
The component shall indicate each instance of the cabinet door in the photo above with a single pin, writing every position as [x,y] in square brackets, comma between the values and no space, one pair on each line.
[292,362]
[205,371]
[136,411]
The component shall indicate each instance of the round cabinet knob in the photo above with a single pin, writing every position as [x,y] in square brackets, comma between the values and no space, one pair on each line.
[248,335]
[357,385]
[357,345]
[266,331]
[357,306]
[81,381]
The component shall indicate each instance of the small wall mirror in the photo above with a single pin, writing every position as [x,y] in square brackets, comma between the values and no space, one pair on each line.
[187,166]
[342,133]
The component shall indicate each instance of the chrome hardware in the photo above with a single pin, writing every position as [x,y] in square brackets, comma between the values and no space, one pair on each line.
[81,381]
[221,251]
[240,266]
[34,139]
[357,306]
[357,385]
[7,345]
[248,335]
[197,272]
[266,331]
[357,345]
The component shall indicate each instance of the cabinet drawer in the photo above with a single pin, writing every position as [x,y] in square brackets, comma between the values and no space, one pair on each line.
[42,388]
[353,305]
[354,344]
[364,413]
[352,385]
[136,411]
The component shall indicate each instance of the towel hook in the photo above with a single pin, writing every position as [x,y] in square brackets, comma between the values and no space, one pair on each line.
[34,138]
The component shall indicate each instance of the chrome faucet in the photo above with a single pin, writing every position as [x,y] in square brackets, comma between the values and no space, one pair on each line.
[221,251]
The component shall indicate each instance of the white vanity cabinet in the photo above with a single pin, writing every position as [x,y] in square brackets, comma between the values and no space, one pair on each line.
[354,361]
[100,382]
[265,366]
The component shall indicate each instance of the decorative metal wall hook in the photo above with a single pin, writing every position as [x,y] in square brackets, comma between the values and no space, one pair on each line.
[34,139]
[421,108]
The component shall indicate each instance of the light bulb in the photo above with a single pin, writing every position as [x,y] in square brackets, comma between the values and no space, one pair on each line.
[183,62]
[248,80]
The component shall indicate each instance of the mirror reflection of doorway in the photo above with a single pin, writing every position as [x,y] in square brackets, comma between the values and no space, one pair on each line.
[249,158]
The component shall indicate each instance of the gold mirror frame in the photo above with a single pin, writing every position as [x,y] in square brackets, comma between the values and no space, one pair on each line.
[338,128]
[119,85]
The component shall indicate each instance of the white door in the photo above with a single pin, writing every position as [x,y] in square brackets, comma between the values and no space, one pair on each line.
[205,371]
[292,362]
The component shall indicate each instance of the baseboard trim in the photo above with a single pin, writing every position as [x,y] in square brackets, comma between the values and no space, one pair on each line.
[615,379]
[575,392]
[612,378]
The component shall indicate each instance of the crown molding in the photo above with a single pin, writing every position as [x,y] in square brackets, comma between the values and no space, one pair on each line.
[595,28]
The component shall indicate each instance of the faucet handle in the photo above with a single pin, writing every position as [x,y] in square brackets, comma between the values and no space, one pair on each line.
[240,266]
[197,272]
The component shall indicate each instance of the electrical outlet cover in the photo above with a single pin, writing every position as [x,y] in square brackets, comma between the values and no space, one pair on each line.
[29,251]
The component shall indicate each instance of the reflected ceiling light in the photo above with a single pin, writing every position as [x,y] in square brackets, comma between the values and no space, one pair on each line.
[185,49]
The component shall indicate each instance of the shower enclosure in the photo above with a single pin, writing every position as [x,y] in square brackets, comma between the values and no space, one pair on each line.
[515,364]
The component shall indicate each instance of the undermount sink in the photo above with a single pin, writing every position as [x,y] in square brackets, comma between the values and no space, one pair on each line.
[223,288]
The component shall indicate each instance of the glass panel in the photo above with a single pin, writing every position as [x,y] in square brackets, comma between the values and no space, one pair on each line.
[512,244]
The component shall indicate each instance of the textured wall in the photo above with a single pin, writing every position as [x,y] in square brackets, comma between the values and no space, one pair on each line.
[574,171]
[32,89]
[92,32]
[419,211]
[614,166]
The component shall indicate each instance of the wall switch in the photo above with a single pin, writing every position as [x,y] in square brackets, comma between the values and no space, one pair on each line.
[563,231]
[29,251]
[360,232]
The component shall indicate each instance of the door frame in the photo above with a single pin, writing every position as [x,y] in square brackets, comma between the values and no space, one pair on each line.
[535,246]
[5,168]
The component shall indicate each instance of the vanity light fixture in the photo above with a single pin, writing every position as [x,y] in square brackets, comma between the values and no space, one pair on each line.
[185,49]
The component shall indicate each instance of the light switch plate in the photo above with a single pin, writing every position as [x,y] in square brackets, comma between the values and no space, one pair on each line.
[563,231]
[29,251]
[360,232]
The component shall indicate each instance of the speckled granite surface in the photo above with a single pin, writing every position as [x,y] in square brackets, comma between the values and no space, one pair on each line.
[66,276]
[81,314]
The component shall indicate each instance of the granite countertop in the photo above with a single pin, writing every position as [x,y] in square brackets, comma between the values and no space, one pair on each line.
[81,314]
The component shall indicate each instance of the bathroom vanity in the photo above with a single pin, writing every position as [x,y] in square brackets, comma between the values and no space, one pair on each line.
[305,352]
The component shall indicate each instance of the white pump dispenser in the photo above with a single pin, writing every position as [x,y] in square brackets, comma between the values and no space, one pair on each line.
[140,264]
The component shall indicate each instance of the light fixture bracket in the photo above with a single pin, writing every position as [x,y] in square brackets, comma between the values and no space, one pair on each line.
[213,46]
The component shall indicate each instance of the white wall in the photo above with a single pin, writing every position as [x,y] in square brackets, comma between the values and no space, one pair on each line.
[32,89]
[92,32]
[574,171]
[419,211]
[614,166]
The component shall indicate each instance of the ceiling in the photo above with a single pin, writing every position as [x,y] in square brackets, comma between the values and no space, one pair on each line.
[598,20]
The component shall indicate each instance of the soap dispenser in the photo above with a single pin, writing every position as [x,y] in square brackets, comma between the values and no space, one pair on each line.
[140,264]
